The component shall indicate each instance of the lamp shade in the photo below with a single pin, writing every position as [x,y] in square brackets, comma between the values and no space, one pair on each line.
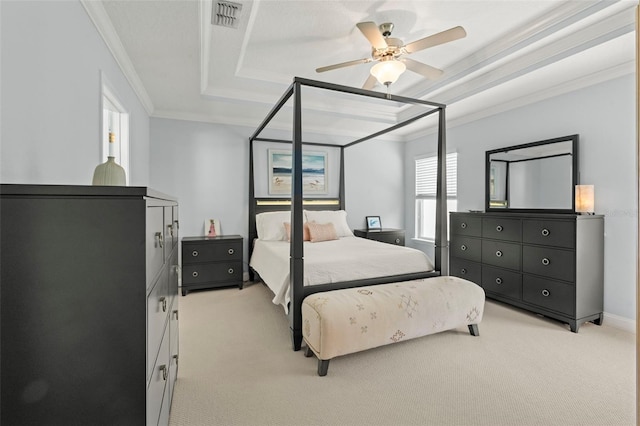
[585,202]
[388,71]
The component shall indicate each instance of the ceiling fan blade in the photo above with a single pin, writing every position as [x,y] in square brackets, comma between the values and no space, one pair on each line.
[422,69]
[369,83]
[372,33]
[446,36]
[343,64]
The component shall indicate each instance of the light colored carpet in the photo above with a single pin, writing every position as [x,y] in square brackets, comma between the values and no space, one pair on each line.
[237,368]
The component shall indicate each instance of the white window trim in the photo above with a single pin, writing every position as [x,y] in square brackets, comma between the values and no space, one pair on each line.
[123,139]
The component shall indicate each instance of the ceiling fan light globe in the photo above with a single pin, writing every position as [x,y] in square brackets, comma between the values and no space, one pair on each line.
[387,72]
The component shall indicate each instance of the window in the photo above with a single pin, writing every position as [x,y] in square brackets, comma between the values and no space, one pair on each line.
[115,125]
[426,181]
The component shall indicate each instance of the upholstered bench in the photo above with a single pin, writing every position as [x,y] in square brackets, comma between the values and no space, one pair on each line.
[345,321]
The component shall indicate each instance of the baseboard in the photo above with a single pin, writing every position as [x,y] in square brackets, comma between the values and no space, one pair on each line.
[619,322]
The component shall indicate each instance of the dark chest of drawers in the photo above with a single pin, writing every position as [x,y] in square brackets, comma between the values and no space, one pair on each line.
[211,262]
[385,235]
[550,264]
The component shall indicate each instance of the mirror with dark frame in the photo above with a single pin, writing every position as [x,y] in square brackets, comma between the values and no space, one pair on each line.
[537,176]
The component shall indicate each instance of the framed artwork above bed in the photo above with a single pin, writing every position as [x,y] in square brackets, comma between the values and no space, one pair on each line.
[314,172]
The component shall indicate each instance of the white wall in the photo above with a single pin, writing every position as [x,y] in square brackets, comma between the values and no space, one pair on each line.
[604,117]
[207,166]
[52,57]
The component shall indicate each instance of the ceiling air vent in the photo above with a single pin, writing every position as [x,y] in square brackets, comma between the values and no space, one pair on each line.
[225,14]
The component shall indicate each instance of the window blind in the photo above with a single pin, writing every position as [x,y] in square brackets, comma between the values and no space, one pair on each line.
[427,176]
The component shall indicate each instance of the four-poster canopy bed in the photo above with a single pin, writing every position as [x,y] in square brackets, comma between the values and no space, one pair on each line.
[298,205]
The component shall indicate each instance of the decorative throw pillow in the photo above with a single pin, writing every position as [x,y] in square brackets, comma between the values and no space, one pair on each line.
[305,231]
[322,232]
[337,217]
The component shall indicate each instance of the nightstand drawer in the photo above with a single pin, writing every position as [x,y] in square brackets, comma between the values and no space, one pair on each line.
[211,272]
[212,252]
[385,235]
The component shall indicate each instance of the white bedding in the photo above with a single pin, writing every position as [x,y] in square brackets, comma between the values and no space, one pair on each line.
[345,259]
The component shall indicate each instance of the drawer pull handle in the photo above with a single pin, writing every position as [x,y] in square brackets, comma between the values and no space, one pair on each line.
[463,225]
[499,253]
[397,240]
[545,232]
[231,251]
[170,230]
[176,358]
[463,247]
[163,302]
[175,314]
[177,222]
[498,280]
[545,293]
[499,228]
[195,274]
[163,368]
[230,271]
[195,253]
[160,239]
[463,271]
[545,261]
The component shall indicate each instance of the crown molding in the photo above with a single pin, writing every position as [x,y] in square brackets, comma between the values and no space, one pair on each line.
[101,21]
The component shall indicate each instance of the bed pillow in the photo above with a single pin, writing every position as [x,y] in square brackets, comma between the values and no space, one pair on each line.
[269,225]
[337,217]
[305,231]
[322,232]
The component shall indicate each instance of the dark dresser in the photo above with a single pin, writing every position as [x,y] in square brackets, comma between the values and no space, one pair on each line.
[89,313]
[211,262]
[551,264]
[385,235]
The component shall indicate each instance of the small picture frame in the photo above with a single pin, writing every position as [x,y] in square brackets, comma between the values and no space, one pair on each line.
[212,228]
[374,223]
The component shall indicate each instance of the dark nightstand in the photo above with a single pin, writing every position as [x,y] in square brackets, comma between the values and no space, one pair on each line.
[385,235]
[211,262]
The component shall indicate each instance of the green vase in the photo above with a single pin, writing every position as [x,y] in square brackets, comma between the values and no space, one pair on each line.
[109,173]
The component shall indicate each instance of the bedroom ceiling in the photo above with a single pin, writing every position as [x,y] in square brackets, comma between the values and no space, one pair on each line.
[515,52]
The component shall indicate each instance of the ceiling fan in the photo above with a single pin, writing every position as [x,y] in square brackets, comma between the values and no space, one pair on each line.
[390,53]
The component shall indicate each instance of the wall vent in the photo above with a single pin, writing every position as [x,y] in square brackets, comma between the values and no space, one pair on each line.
[225,14]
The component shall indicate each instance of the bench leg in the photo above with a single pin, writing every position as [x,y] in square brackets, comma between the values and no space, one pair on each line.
[323,367]
[308,352]
[473,329]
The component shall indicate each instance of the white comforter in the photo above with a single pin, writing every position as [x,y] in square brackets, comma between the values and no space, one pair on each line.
[345,259]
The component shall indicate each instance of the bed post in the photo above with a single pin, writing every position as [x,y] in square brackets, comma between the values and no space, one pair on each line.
[296,267]
[341,194]
[252,208]
[441,243]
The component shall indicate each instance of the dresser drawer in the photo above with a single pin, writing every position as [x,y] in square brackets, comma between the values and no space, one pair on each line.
[465,269]
[157,313]
[154,242]
[157,383]
[502,229]
[466,248]
[502,254]
[552,263]
[503,282]
[552,295]
[211,272]
[211,252]
[549,232]
[466,225]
